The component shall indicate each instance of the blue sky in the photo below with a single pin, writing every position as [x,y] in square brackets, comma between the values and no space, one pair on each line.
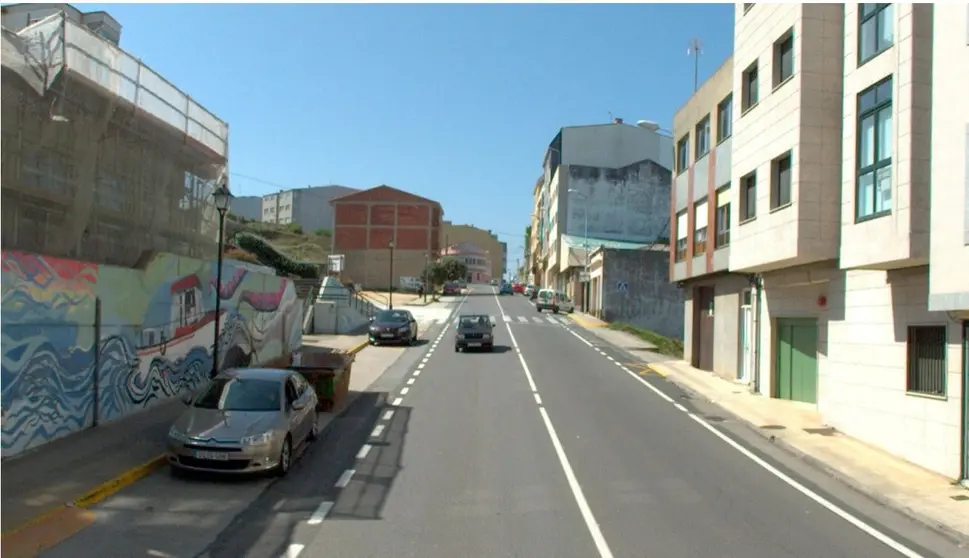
[456,103]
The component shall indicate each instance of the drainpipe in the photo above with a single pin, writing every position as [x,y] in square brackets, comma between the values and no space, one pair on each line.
[757,286]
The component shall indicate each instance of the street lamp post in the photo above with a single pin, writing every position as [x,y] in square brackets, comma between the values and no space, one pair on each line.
[585,245]
[391,295]
[222,198]
[427,262]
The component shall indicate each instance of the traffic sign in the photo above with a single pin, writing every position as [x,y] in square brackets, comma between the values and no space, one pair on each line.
[622,286]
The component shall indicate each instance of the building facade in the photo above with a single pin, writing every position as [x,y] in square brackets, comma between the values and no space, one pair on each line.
[824,293]
[307,207]
[533,249]
[475,258]
[486,240]
[385,234]
[95,168]
[247,207]
[602,183]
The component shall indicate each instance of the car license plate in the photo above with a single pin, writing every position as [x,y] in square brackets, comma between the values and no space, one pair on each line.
[212,455]
[474,344]
[387,335]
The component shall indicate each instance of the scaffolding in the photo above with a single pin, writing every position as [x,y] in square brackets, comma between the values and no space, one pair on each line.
[103,160]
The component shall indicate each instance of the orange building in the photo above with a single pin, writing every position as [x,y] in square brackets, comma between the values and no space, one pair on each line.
[367,223]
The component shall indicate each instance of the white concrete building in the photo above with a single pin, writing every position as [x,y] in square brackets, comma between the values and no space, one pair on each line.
[605,183]
[853,306]
[307,207]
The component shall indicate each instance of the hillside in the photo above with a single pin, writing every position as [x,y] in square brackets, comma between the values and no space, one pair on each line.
[287,248]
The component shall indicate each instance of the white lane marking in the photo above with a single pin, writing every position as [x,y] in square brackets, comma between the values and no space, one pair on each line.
[293,550]
[344,479]
[552,320]
[425,359]
[417,372]
[320,514]
[404,391]
[411,381]
[793,483]
[377,431]
[590,520]
[538,399]
[523,319]
[397,402]
[537,320]
[364,450]
[506,318]
[420,366]
[580,338]
[610,358]
[389,414]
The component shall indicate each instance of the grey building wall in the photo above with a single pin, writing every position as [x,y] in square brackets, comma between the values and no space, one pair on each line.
[248,207]
[651,302]
[307,207]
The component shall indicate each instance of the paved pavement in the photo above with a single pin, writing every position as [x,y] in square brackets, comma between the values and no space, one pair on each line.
[549,446]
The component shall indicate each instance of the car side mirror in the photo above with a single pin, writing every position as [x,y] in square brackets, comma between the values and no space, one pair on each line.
[494,323]
[298,405]
[187,398]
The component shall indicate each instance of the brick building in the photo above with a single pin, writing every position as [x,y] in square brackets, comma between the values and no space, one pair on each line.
[364,225]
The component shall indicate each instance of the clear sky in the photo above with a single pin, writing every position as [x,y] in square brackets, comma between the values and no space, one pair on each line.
[456,103]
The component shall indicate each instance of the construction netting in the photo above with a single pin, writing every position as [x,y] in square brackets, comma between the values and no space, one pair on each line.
[102,158]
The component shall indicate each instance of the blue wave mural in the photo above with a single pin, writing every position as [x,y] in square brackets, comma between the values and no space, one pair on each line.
[151,340]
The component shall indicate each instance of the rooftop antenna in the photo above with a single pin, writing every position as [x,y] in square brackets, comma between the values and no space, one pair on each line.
[694,50]
[611,117]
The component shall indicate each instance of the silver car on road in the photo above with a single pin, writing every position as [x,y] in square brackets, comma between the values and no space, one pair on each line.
[244,420]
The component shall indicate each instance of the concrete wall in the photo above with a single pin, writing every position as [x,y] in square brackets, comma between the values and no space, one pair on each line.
[627,204]
[614,146]
[652,302]
[949,248]
[802,115]
[727,293]
[900,237]
[85,343]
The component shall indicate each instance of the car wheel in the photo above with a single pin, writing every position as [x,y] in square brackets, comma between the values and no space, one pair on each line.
[285,457]
[555,310]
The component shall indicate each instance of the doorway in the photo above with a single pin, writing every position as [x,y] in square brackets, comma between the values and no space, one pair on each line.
[796,351]
[746,364]
[703,298]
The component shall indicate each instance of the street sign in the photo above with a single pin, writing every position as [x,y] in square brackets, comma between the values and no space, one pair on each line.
[622,286]
[335,263]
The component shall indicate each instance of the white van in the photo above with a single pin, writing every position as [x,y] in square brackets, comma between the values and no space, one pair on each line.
[555,301]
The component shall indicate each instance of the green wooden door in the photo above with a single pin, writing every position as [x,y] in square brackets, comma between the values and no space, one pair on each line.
[797,362]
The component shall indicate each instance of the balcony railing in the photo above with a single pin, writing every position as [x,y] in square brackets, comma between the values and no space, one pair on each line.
[56,43]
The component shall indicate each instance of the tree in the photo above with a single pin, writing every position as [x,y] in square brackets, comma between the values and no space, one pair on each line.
[448,269]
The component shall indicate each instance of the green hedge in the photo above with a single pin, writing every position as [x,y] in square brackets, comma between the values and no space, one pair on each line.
[271,256]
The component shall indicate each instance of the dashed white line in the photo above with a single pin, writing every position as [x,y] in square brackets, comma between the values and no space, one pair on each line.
[411,381]
[320,514]
[377,431]
[345,478]
[388,414]
[420,366]
[417,372]
[397,402]
[293,550]
[538,399]
[364,451]
[404,391]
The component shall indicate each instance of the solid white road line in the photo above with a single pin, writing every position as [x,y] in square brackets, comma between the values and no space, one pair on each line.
[538,399]
[344,479]
[320,514]
[293,550]
[364,451]
[793,483]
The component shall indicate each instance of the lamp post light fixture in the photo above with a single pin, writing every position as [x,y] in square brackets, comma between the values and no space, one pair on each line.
[222,198]
[390,303]
[427,262]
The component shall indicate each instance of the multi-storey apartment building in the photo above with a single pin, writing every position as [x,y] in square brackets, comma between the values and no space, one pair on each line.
[852,249]
[534,248]
[307,207]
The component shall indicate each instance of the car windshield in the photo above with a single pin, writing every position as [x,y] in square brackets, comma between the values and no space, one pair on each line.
[391,316]
[474,321]
[238,394]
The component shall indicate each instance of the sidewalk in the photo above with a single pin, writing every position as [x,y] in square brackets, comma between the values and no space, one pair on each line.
[923,495]
[79,470]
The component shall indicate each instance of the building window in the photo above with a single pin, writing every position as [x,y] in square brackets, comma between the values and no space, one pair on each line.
[926,360]
[876,30]
[784,58]
[682,231]
[683,153]
[780,181]
[725,119]
[749,86]
[723,217]
[701,217]
[748,197]
[874,188]
[703,137]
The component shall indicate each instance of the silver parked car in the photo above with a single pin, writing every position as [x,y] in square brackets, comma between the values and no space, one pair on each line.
[244,420]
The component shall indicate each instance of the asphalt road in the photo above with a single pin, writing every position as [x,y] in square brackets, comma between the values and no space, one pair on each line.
[546,447]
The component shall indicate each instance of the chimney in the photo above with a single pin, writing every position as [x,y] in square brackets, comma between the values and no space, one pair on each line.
[617,120]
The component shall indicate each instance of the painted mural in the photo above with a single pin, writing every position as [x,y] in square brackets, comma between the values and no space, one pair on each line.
[86,343]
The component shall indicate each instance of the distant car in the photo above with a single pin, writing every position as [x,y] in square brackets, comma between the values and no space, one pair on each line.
[474,331]
[518,287]
[529,289]
[506,289]
[245,420]
[553,300]
[393,326]
[451,288]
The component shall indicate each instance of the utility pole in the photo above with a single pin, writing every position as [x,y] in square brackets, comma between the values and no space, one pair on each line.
[694,50]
